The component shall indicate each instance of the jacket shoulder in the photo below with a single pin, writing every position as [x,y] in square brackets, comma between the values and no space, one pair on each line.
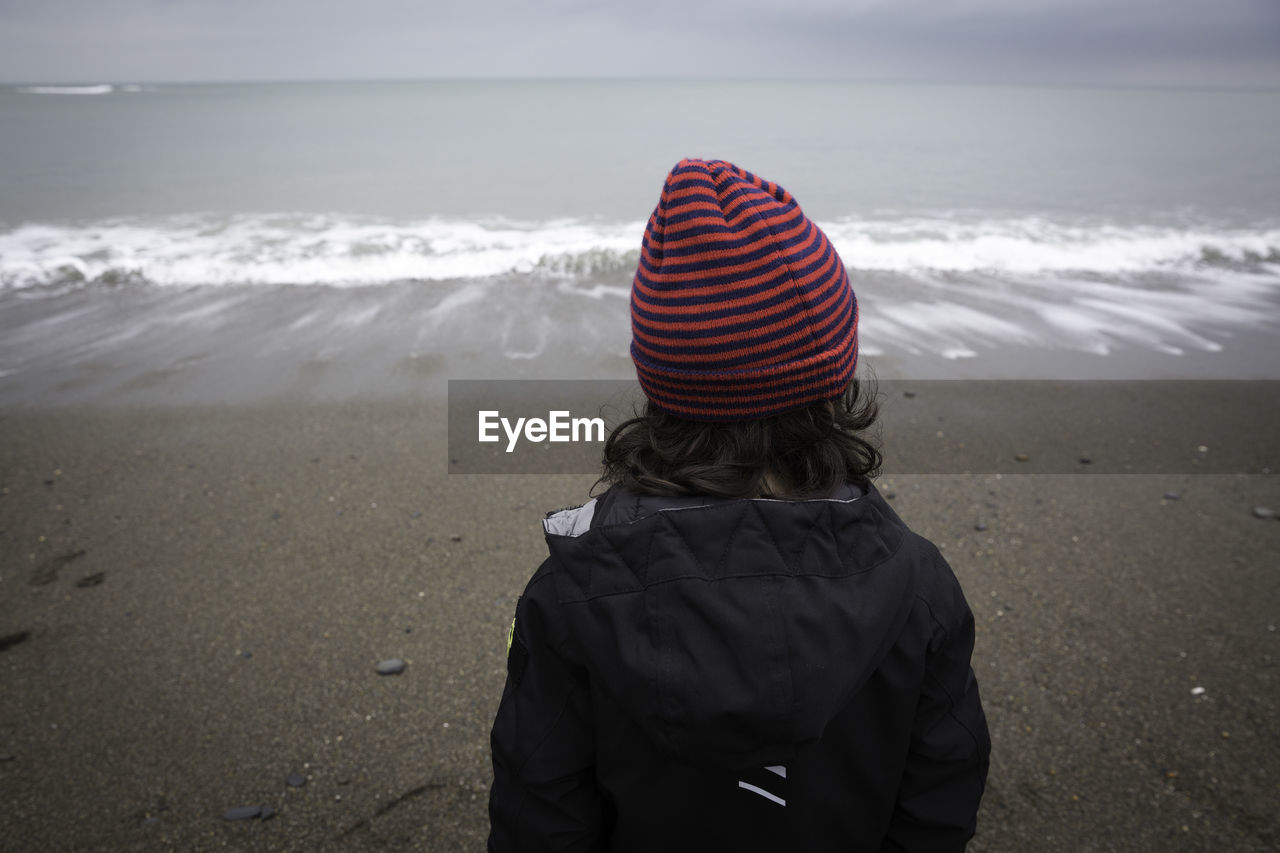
[937,590]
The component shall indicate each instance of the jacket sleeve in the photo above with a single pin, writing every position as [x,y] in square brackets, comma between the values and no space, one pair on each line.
[946,770]
[544,794]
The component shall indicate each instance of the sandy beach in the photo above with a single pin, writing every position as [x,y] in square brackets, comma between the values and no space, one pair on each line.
[193,601]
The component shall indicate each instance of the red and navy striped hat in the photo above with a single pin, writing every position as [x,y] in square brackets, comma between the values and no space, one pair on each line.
[740,307]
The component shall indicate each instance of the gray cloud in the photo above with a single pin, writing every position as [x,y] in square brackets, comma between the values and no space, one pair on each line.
[1147,42]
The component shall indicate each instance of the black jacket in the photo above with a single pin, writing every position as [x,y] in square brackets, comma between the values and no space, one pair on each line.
[711,674]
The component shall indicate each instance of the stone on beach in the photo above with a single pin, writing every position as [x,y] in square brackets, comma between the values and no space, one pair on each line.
[243,813]
[9,640]
[391,666]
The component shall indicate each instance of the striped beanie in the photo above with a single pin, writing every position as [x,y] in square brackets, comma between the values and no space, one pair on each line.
[740,307]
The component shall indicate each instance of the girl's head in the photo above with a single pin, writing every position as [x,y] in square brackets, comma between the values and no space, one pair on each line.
[745,340]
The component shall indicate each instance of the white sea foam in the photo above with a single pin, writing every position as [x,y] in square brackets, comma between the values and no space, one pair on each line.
[100,89]
[309,250]
[337,251]
[941,286]
[1034,245]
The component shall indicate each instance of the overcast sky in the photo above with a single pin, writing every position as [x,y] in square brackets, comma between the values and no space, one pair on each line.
[1110,42]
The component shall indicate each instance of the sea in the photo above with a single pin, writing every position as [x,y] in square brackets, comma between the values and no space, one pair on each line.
[214,243]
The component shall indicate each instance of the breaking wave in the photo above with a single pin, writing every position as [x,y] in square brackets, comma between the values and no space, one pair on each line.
[99,89]
[346,251]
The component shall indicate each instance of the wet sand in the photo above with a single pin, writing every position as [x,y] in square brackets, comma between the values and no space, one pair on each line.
[193,600]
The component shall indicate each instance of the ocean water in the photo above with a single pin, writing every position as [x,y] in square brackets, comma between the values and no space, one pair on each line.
[377,236]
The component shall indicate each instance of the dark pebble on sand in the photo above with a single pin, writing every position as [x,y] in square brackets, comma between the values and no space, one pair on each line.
[890,495]
[10,640]
[393,666]
[455,538]
[415,515]
[1085,460]
[295,780]
[908,394]
[979,527]
[1263,512]
[408,630]
[243,813]
[1021,457]
[6,757]
[1172,496]
[275,516]
[91,580]
[246,654]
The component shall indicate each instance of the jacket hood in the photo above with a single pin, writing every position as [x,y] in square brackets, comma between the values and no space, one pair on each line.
[732,631]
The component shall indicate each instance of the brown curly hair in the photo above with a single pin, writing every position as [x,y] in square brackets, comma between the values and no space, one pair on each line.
[802,453]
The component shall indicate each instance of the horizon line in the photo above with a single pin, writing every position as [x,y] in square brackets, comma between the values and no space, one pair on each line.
[657,79]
